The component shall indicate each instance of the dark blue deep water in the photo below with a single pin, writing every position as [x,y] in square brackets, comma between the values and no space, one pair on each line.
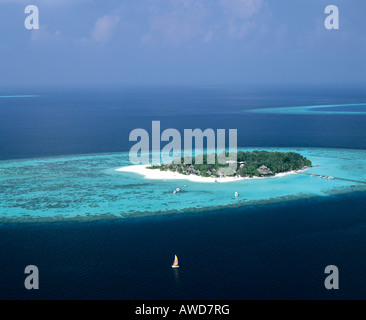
[276,251]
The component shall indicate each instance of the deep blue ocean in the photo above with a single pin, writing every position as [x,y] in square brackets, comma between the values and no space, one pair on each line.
[273,251]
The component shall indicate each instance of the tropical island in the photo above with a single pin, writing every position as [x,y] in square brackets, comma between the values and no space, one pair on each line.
[248,165]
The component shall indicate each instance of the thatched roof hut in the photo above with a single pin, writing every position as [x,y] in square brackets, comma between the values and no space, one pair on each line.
[264,171]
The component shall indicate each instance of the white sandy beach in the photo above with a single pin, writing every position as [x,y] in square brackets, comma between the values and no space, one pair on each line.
[169,175]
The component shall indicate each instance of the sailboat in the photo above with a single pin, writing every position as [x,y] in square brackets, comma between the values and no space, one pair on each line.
[175,264]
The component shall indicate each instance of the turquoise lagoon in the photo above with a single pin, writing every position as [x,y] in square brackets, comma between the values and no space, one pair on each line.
[88,187]
[335,109]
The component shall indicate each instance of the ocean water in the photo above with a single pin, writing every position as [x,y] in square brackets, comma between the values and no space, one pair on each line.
[255,249]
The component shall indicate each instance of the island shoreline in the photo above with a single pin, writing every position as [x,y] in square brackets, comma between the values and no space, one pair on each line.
[155,174]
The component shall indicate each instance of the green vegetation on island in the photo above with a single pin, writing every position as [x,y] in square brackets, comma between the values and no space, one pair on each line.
[248,164]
